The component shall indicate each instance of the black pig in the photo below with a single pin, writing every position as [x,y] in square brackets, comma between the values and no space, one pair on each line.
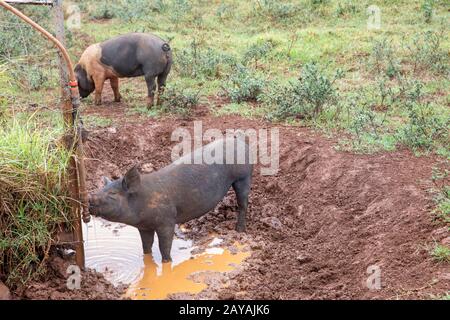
[129,55]
[177,193]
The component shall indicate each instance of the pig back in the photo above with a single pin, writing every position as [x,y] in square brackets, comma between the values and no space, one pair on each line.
[196,187]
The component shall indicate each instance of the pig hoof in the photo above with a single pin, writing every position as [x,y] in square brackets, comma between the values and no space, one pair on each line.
[166,260]
[240,229]
[150,102]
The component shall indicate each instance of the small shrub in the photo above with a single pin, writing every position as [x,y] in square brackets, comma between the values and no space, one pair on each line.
[132,10]
[244,84]
[197,62]
[346,8]
[317,88]
[104,11]
[427,10]
[36,77]
[178,10]
[424,127]
[426,51]
[179,102]
[304,98]
[318,3]
[383,59]
[159,6]
[365,115]
[385,95]
[257,51]
[284,100]
[225,11]
[30,75]
[364,119]
[18,38]
[275,9]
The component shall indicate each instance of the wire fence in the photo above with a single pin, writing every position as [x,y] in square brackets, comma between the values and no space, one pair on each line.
[28,63]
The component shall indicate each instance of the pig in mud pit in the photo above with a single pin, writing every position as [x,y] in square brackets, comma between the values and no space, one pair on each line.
[177,193]
[129,55]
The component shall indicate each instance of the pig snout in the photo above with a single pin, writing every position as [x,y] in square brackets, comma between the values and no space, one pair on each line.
[93,202]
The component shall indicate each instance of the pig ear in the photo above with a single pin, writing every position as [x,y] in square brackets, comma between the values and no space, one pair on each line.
[132,180]
[84,82]
[106,181]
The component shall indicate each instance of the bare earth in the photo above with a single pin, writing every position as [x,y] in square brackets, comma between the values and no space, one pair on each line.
[316,226]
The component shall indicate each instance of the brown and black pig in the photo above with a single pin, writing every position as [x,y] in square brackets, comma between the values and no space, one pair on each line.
[129,55]
[186,189]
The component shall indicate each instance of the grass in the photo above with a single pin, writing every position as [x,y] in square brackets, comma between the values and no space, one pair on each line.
[244,109]
[441,195]
[91,121]
[443,205]
[445,296]
[142,109]
[367,144]
[441,253]
[333,35]
[33,198]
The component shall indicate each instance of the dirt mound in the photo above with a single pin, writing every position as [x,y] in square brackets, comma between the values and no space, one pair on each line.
[316,226]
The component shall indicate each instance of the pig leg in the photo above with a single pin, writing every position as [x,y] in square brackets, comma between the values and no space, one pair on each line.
[147,237]
[151,86]
[165,238]
[242,189]
[114,82]
[99,80]
[161,84]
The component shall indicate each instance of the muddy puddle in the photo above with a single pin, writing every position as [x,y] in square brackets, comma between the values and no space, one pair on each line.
[116,251]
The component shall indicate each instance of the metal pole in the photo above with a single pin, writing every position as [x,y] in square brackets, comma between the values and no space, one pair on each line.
[33,2]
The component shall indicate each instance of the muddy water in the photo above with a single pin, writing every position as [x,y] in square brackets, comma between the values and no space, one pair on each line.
[116,251]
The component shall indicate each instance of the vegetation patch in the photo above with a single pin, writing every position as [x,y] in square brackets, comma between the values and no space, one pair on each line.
[441,253]
[33,196]
[304,98]
[244,84]
[180,103]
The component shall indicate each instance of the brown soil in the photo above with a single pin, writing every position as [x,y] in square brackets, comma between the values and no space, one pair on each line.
[53,285]
[316,226]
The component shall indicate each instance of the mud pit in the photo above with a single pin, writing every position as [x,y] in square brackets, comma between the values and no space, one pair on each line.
[314,228]
[116,250]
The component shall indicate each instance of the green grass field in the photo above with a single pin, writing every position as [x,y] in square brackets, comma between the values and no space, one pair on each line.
[252,51]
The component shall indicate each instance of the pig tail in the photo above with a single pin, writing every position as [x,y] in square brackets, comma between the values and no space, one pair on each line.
[165,47]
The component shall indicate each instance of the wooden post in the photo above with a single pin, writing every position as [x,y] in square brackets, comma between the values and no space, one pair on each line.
[70,122]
